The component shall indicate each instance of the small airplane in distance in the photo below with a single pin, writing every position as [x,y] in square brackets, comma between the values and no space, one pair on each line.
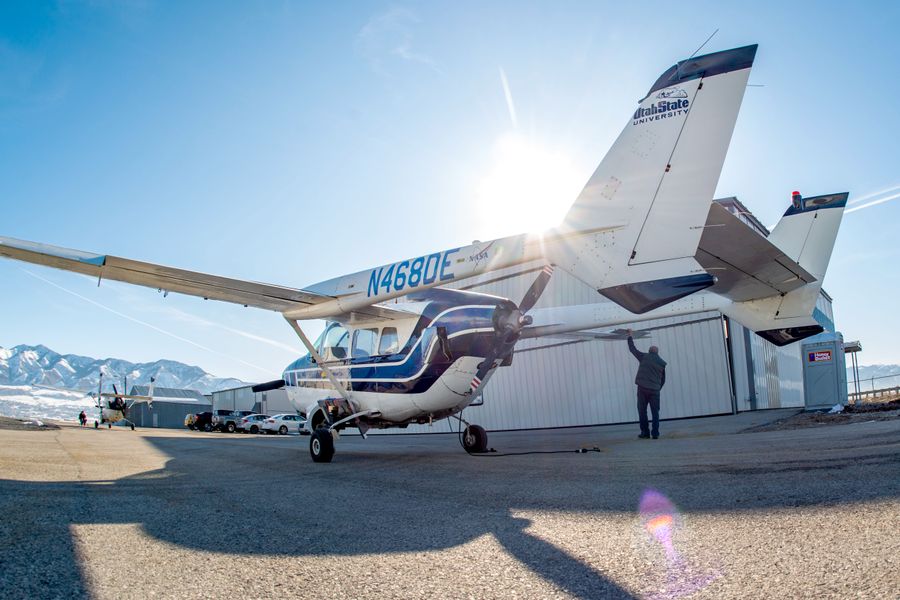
[400,347]
[113,408]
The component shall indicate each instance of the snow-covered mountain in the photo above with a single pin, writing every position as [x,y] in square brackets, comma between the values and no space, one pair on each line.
[875,376]
[39,365]
[28,402]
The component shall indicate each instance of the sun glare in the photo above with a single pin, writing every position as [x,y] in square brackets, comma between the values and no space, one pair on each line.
[528,188]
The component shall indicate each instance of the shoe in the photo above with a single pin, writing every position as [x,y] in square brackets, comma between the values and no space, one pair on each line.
[655,437]
[644,436]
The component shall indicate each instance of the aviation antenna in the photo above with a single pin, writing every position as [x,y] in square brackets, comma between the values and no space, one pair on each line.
[694,53]
[703,44]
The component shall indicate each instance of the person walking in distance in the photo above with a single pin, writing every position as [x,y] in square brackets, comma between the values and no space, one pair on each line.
[651,377]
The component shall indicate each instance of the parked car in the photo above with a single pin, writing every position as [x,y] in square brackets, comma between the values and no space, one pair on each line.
[283,424]
[227,420]
[203,421]
[252,423]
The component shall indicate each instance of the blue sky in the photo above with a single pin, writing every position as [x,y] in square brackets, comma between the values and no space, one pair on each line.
[293,142]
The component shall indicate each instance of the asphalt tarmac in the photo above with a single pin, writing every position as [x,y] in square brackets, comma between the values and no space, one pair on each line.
[703,512]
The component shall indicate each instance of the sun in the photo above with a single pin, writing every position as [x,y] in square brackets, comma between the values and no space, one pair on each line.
[528,187]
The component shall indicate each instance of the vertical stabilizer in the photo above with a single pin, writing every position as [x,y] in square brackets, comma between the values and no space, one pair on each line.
[642,212]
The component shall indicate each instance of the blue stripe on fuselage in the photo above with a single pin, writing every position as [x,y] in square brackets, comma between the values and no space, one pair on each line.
[420,363]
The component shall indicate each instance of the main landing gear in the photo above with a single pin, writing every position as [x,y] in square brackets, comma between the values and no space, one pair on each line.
[321,445]
[475,439]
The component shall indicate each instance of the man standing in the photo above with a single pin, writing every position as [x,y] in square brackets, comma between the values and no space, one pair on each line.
[651,376]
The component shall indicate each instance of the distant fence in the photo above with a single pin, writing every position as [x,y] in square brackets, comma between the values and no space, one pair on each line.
[882,393]
[867,384]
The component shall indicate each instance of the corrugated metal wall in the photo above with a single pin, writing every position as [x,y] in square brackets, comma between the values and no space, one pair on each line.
[164,414]
[592,382]
[776,373]
[560,382]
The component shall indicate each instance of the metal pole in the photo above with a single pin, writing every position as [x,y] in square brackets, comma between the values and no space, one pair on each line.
[319,362]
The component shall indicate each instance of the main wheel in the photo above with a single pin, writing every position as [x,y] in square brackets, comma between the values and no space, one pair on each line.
[475,439]
[282,430]
[230,428]
[321,445]
[109,425]
[132,426]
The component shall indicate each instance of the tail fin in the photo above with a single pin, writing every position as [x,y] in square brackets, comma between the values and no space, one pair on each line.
[806,233]
[633,231]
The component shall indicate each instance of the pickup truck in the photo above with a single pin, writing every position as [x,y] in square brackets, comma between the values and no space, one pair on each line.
[228,420]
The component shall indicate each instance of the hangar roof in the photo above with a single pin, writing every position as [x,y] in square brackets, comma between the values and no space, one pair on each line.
[169,394]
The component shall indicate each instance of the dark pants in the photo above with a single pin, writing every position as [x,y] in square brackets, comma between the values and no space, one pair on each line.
[648,397]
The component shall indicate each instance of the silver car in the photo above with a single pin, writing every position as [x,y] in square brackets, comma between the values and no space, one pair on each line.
[251,423]
[283,424]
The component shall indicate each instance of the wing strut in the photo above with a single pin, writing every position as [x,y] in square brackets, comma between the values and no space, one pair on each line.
[319,362]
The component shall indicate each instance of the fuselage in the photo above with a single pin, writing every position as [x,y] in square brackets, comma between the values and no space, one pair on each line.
[405,370]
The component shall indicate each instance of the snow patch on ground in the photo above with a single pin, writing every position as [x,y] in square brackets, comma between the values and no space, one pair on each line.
[30,402]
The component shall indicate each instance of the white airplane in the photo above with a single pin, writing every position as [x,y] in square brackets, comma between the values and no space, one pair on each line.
[400,347]
[113,408]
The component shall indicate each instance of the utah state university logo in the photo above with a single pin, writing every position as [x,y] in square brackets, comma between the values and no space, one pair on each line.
[670,102]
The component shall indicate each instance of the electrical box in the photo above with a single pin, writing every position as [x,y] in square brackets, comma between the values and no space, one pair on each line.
[824,371]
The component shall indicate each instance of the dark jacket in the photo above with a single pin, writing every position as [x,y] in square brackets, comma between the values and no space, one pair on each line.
[651,373]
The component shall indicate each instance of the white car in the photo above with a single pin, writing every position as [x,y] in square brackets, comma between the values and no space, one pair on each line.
[283,424]
[251,423]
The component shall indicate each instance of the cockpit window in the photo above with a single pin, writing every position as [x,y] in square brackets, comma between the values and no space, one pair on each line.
[364,342]
[337,341]
[390,342]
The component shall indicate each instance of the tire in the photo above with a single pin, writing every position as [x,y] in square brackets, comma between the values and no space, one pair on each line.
[254,429]
[475,439]
[132,426]
[321,446]
[282,430]
[207,428]
[229,427]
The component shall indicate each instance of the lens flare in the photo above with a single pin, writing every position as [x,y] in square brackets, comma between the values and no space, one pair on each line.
[661,523]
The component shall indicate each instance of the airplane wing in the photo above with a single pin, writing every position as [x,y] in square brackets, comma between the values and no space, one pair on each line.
[169,279]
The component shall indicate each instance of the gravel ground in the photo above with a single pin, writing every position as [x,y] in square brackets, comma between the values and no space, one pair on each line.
[807,513]
[884,410]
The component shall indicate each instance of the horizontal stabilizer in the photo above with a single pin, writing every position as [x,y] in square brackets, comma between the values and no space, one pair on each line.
[745,264]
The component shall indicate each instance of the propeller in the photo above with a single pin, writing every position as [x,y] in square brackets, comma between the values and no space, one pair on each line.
[508,325]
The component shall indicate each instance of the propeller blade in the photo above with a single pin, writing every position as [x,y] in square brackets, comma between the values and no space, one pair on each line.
[115,389]
[537,288]
[508,322]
